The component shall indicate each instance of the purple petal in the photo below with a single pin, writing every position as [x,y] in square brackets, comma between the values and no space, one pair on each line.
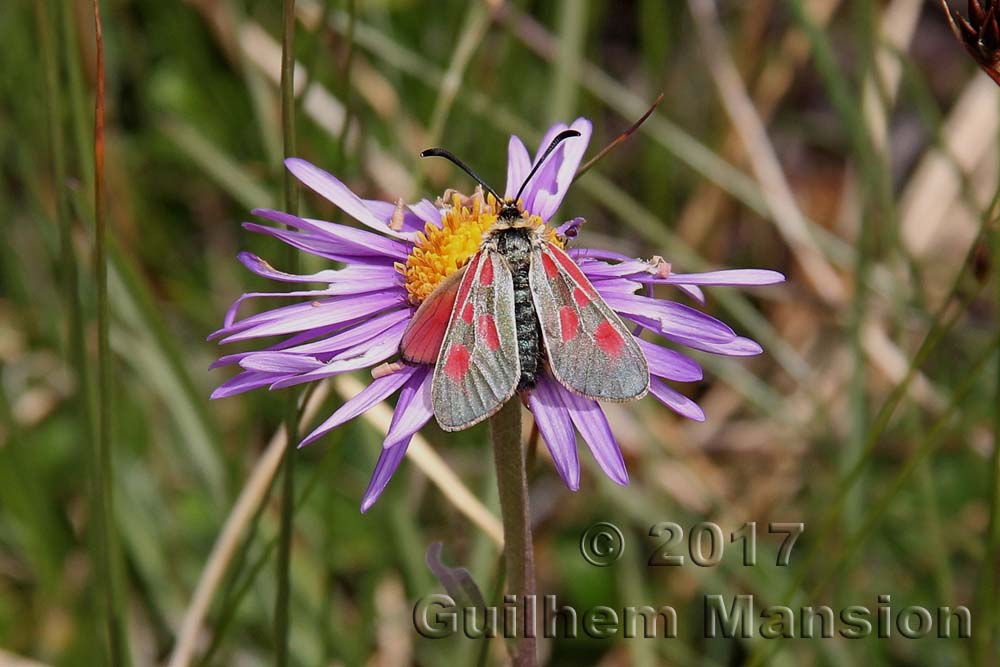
[570,228]
[377,326]
[548,138]
[387,338]
[229,359]
[379,273]
[378,244]
[292,341]
[302,316]
[367,359]
[669,364]
[556,429]
[545,176]
[243,382]
[334,238]
[279,362]
[553,180]
[356,358]
[413,409]
[415,216]
[619,286]
[694,292]
[601,269]
[332,249]
[426,211]
[729,277]
[376,392]
[518,166]
[593,426]
[675,400]
[263,317]
[260,318]
[344,288]
[668,317]
[581,254]
[233,310]
[265,270]
[337,193]
[385,467]
[308,243]
[739,347]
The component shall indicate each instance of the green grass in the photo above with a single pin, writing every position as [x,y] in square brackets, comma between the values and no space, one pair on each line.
[892,467]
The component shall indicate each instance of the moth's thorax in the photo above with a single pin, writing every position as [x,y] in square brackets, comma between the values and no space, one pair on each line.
[515,235]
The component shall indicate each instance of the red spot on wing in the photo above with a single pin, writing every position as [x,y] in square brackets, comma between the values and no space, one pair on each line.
[486,275]
[569,323]
[608,339]
[463,291]
[467,310]
[551,270]
[570,267]
[580,297]
[457,363]
[487,330]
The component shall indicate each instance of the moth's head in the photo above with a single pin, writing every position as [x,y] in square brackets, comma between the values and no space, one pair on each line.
[510,210]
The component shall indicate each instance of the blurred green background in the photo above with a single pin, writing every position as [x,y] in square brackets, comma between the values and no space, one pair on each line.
[852,145]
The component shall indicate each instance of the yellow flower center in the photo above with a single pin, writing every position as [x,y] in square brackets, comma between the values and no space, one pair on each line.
[440,251]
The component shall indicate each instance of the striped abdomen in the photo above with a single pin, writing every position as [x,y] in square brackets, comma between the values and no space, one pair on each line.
[515,246]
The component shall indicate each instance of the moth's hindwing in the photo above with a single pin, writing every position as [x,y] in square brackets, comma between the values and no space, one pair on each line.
[421,342]
[589,348]
[478,367]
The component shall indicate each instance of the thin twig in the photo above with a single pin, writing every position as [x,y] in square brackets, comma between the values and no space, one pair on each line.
[246,505]
[104,474]
[943,321]
[619,139]
[990,568]
[831,566]
[325,110]
[709,202]
[259,481]
[282,601]
[345,92]
[764,162]
[930,204]
[477,20]
[431,464]
[896,30]
[11,660]
[76,340]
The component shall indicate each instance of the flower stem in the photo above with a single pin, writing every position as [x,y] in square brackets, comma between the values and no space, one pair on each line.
[282,599]
[512,482]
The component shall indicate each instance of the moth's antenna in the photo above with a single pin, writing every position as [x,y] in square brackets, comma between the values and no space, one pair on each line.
[448,155]
[561,137]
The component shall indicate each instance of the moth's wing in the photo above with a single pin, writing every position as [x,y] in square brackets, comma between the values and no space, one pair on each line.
[478,367]
[589,348]
[421,342]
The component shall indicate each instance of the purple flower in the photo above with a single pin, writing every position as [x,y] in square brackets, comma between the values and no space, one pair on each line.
[357,318]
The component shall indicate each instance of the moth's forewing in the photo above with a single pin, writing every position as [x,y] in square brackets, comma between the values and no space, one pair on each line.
[478,366]
[589,348]
[421,342]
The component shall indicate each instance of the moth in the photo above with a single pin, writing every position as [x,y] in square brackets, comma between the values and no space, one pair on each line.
[519,307]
